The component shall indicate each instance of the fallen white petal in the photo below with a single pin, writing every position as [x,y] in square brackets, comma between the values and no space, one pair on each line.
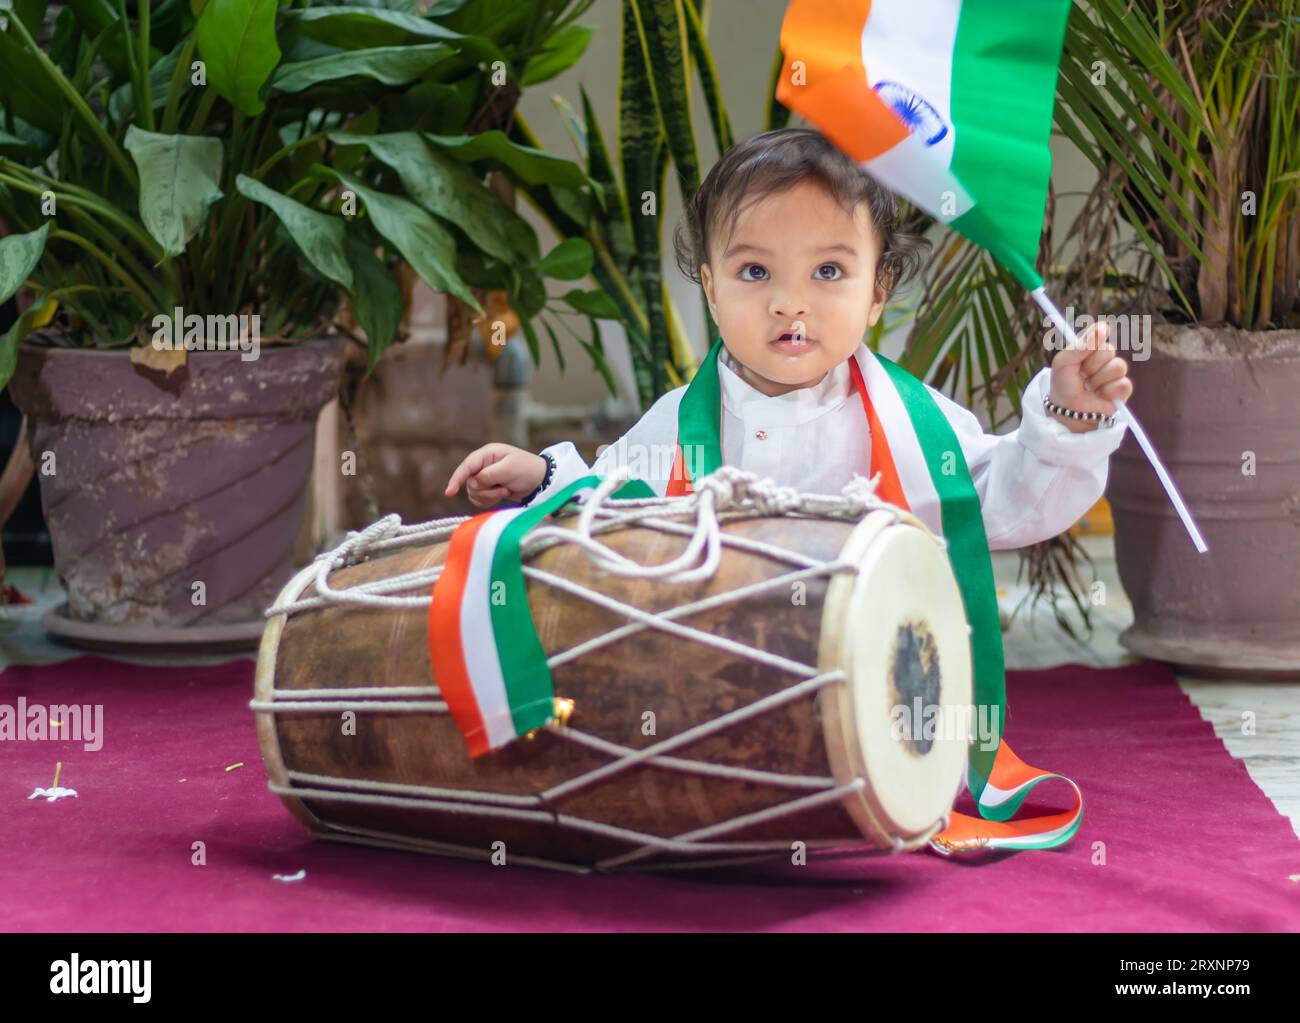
[51,795]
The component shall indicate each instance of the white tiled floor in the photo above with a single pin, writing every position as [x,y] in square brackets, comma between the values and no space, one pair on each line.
[1271,754]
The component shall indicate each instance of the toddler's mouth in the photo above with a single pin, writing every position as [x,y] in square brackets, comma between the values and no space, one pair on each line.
[792,341]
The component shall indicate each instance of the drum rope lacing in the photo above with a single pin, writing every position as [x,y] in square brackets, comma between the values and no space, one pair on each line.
[728,493]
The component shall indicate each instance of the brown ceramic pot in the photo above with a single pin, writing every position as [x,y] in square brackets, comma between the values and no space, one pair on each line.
[1221,407]
[152,484]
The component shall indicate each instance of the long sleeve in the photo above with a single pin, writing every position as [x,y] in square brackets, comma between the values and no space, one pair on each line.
[1039,479]
[648,448]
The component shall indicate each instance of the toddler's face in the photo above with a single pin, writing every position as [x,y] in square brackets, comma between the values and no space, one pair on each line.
[796,261]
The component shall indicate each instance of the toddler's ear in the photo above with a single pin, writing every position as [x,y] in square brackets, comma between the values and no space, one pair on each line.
[877,305]
[706,282]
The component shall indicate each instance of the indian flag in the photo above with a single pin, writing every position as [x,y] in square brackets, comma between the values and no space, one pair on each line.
[487,661]
[948,103]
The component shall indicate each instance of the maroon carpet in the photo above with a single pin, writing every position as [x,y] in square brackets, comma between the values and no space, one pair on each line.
[1175,834]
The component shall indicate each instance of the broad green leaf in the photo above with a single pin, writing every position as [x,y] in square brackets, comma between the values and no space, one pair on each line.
[391,65]
[121,102]
[449,190]
[319,236]
[237,45]
[25,88]
[19,254]
[532,166]
[593,303]
[376,298]
[15,334]
[357,28]
[421,240]
[568,261]
[179,177]
[561,52]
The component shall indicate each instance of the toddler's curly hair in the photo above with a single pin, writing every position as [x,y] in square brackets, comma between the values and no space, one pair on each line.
[770,163]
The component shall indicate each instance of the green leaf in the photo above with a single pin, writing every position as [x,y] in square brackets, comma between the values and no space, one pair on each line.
[122,100]
[561,52]
[449,190]
[358,27]
[593,303]
[319,236]
[391,65]
[25,89]
[237,44]
[421,240]
[15,334]
[19,254]
[376,298]
[532,166]
[568,261]
[179,177]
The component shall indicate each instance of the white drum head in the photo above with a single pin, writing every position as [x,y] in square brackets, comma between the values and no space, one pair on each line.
[898,629]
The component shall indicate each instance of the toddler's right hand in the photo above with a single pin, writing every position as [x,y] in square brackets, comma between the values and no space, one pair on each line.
[496,471]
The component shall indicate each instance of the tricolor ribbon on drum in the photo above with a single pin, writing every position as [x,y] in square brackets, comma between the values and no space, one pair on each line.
[490,666]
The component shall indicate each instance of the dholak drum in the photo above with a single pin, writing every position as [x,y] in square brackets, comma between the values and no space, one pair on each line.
[759,705]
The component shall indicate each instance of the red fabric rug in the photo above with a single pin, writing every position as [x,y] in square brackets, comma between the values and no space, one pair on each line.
[1189,841]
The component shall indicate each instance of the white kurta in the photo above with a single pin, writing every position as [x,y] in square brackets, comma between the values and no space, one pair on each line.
[1033,482]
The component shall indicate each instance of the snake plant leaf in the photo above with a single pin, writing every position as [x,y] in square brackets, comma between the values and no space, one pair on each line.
[449,190]
[697,36]
[662,32]
[376,298]
[532,166]
[362,28]
[643,149]
[179,177]
[568,261]
[319,236]
[422,241]
[19,254]
[236,41]
[391,65]
[562,50]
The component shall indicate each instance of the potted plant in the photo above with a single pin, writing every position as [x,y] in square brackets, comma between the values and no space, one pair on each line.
[1194,139]
[168,191]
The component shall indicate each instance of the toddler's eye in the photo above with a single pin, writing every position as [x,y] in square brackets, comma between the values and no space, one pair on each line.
[746,267]
[833,266]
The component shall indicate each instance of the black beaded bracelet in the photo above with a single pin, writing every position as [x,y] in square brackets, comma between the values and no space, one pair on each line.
[1100,417]
[550,472]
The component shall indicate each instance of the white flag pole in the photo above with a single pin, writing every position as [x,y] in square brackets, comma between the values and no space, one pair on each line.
[1124,415]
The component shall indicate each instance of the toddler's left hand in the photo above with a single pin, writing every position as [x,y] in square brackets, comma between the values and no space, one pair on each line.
[1090,379]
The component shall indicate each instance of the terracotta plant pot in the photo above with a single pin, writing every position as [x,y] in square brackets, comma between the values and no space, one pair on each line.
[173,502]
[1220,406]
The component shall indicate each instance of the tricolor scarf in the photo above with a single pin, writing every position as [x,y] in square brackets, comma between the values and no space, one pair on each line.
[910,440]
[487,660]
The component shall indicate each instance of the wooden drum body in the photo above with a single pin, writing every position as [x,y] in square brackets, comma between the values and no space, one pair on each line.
[658,764]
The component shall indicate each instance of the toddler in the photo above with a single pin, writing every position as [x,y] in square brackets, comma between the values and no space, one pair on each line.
[797,250]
